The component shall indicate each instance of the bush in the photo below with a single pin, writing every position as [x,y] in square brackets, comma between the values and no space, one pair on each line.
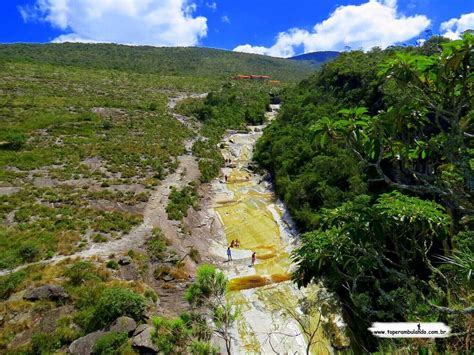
[28,253]
[156,245]
[201,348]
[112,264]
[181,201]
[209,170]
[151,294]
[99,238]
[172,335]
[79,272]
[15,141]
[9,283]
[115,302]
[108,344]
[42,343]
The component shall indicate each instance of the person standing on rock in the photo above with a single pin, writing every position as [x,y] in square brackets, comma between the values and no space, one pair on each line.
[254,258]
[229,254]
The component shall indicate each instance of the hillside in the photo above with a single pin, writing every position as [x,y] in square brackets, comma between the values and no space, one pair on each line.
[179,61]
[317,57]
[103,180]
[373,158]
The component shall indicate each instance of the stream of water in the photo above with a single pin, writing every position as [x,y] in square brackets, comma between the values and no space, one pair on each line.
[272,317]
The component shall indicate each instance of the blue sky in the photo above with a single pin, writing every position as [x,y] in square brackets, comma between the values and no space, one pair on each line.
[278,27]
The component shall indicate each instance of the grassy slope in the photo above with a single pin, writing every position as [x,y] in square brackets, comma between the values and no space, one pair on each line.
[71,103]
[178,61]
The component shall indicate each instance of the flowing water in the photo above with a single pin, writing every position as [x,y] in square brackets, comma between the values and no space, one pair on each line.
[271,307]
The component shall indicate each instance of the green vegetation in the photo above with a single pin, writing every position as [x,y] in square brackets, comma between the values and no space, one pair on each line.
[72,140]
[157,245]
[208,291]
[182,334]
[194,62]
[110,344]
[234,106]
[85,137]
[82,271]
[190,332]
[95,301]
[10,282]
[374,158]
[180,201]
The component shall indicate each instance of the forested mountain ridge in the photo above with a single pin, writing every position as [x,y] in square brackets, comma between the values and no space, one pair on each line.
[181,61]
[317,57]
[373,156]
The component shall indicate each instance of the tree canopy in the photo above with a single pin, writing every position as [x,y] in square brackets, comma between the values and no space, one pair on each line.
[374,158]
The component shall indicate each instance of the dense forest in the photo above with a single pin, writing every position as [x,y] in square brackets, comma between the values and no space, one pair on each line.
[374,157]
[191,61]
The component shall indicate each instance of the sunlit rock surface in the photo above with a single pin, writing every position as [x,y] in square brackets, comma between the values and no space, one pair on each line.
[272,315]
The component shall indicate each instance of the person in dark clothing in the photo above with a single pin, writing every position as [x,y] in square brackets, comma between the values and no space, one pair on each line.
[229,254]
[254,258]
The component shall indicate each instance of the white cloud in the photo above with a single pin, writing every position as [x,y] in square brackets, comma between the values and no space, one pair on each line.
[374,23]
[212,5]
[139,22]
[456,26]
[225,19]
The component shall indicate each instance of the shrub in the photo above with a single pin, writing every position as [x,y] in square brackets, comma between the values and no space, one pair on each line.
[194,255]
[156,245]
[172,335]
[209,170]
[201,348]
[79,272]
[151,294]
[9,283]
[107,125]
[181,201]
[108,344]
[42,343]
[112,264]
[115,302]
[28,253]
[15,141]
[99,238]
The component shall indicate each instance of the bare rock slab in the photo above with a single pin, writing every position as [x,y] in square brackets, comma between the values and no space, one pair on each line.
[84,345]
[46,292]
[142,340]
[124,325]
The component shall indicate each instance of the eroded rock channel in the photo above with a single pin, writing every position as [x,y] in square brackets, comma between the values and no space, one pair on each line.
[275,316]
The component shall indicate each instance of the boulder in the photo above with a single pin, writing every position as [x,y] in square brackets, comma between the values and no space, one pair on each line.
[130,273]
[84,345]
[126,260]
[124,324]
[46,292]
[142,340]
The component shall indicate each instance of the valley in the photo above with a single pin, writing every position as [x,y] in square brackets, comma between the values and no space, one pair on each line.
[129,173]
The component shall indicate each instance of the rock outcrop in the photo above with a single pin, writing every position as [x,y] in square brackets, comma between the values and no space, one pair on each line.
[142,340]
[124,324]
[46,292]
[84,345]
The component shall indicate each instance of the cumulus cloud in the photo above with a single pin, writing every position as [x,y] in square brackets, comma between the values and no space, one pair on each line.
[138,22]
[374,23]
[455,27]
[212,5]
